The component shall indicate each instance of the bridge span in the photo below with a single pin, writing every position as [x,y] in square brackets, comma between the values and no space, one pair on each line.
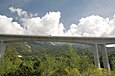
[96,42]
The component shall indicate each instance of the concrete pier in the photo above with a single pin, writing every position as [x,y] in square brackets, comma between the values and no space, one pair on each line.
[96,56]
[105,57]
[2,48]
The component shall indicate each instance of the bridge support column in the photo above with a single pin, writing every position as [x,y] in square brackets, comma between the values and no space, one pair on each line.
[96,56]
[2,48]
[105,57]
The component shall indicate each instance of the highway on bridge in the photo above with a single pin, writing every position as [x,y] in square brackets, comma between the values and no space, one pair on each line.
[94,41]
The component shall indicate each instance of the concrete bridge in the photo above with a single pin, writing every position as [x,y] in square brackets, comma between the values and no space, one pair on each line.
[96,42]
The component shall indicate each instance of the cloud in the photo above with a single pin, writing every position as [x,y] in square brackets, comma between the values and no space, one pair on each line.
[47,25]
[94,26]
[7,26]
[22,15]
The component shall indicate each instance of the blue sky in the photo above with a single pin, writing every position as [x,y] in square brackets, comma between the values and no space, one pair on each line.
[71,10]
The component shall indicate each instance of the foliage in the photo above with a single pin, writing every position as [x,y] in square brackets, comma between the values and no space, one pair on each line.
[10,62]
[113,62]
[70,63]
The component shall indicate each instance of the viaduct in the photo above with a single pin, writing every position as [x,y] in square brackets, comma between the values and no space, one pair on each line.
[96,42]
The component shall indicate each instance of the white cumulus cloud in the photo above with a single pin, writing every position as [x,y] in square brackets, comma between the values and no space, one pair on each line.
[7,26]
[47,25]
[94,26]
[22,15]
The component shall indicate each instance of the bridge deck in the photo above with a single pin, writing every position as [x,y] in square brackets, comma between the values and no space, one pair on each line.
[88,40]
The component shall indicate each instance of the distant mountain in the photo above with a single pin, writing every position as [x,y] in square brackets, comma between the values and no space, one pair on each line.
[38,48]
[49,43]
[82,46]
[111,48]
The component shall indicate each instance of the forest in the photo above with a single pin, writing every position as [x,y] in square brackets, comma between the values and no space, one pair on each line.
[21,59]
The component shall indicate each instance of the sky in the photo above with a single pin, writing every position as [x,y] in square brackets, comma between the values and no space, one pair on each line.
[94,18]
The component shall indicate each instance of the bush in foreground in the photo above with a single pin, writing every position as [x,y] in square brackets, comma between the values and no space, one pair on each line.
[69,64]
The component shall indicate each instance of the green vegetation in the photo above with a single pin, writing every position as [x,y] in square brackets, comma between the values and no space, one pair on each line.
[48,61]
